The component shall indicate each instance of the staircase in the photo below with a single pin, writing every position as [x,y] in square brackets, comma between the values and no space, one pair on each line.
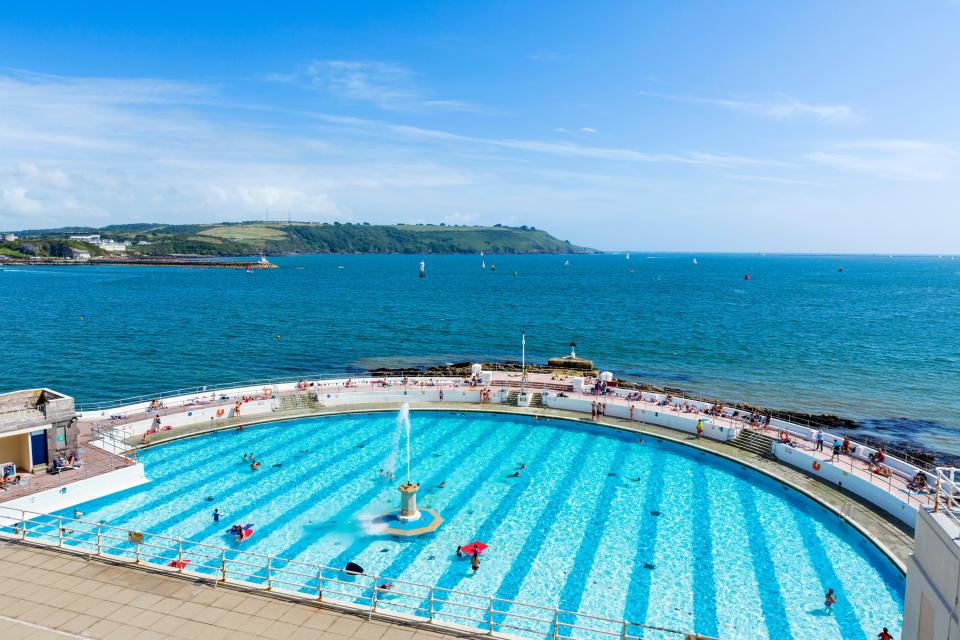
[754,442]
[536,399]
[298,402]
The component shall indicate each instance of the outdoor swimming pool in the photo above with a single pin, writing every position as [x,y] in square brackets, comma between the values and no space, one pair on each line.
[599,521]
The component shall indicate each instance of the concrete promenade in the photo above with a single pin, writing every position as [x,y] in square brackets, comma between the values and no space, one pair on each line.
[54,595]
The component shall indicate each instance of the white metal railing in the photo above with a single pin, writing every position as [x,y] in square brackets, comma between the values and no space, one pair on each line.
[373,593]
[948,493]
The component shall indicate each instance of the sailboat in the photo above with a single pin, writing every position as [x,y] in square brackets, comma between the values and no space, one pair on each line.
[695,261]
[628,256]
[566,263]
[483,264]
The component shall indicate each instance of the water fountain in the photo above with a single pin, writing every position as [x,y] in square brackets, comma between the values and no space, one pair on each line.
[408,520]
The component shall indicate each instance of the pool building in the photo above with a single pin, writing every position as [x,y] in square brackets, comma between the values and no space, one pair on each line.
[36,426]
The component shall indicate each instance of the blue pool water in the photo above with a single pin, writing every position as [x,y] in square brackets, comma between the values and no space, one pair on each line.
[600,521]
[876,342]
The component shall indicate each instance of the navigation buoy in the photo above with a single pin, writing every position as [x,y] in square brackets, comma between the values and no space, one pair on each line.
[746,277]
[276,337]
[493,267]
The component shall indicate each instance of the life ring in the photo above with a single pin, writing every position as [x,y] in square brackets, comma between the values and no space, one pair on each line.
[219,412]
[816,466]
[268,392]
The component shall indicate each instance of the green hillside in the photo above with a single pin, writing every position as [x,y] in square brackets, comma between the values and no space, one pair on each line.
[273,238]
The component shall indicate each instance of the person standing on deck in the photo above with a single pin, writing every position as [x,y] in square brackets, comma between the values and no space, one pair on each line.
[699,429]
[819,440]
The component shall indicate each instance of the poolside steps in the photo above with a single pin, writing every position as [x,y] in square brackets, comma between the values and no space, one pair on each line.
[536,399]
[754,442]
[297,402]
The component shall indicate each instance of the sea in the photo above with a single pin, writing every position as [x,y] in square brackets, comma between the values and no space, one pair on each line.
[871,338]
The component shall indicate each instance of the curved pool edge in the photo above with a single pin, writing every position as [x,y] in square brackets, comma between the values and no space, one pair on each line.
[889,526]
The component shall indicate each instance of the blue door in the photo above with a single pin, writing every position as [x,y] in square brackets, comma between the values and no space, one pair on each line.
[38,443]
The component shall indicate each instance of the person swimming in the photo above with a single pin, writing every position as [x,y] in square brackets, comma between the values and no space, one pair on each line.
[475,561]
[515,474]
[459,551]
[442,484]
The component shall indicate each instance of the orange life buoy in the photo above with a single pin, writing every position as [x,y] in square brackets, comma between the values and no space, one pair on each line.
[816,466]
[268,392]
[219,412]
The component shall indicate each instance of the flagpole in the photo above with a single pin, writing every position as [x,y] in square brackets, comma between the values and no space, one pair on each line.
[523,361]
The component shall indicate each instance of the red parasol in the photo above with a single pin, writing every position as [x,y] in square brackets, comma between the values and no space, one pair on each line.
[477,546]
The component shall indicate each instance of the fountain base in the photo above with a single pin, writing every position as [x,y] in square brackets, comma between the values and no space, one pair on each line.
[392,523]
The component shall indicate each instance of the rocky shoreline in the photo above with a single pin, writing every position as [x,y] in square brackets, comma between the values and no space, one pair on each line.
[835,424]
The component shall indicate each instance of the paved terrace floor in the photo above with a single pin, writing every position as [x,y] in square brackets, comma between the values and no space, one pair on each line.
[54,595]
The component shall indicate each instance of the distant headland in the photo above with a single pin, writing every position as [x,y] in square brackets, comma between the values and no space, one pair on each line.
[154,240]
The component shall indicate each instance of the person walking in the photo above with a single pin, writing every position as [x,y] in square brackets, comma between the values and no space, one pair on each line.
[819,440]
[699,429]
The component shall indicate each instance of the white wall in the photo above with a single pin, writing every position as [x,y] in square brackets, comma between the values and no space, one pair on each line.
[74,493]
[208,414]
[933,580]
[875,492]
[678,423]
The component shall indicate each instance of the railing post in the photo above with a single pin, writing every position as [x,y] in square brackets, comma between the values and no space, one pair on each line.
[99,545]
[319,583]
[623,633]
[430,610]
[556,623]
[490,616]
[223,564]
[59,531]
[179,555]
[269,576]
[373,599]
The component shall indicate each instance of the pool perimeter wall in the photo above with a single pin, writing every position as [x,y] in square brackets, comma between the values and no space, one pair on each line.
[215,406]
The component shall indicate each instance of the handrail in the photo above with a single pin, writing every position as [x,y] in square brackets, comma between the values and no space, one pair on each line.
[219,564]
[948,493]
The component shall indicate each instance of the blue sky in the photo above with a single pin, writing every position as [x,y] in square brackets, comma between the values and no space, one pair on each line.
[734,126]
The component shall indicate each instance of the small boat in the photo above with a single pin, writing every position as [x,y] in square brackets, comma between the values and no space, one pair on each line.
[493,267]
[695,261]
[566,263]
[423,271]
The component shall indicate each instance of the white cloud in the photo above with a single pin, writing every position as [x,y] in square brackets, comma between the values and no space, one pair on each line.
[783,109]
[912,160]
[573,150]
[389,86]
